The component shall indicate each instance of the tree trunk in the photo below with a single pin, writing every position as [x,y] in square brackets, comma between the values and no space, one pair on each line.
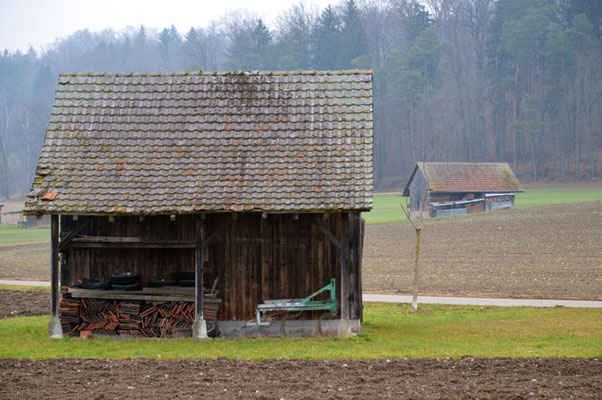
[412,126]
[515,116]
[533,159]
[415,285]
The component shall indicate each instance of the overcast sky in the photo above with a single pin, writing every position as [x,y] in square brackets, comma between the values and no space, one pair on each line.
[40,22]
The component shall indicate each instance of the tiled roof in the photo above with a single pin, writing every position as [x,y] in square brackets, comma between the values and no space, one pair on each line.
[468,177]
[188,142]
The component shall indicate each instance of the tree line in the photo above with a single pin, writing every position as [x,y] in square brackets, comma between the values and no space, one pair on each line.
[454,80]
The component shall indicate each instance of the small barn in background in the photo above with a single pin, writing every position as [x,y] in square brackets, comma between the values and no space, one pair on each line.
[181,197]
[461,187]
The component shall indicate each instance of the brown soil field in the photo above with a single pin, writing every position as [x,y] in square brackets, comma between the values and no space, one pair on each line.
[29,261]
[466,378]
[22,303]
[542,252]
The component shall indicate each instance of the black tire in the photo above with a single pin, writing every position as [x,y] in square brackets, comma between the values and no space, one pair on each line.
[212,329]
[124,278]
[133,286]
[96,285]
[185,276]
[161,283]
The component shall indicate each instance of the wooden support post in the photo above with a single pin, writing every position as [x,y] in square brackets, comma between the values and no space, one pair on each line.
[54,326]
[359,266]
[345,323]
[343,246]
[199,327]
[357,288]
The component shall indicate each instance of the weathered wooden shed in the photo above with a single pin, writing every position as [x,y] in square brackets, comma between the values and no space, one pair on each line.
[461,187]
[254,181]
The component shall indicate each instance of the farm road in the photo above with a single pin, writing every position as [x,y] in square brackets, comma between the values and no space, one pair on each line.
[481,301]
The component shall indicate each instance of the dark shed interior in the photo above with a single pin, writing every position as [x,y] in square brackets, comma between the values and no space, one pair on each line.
[254,259]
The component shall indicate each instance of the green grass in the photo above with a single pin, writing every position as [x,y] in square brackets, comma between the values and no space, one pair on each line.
[23,287]
[387,206]
[389,331]
[10,234]
[547,196]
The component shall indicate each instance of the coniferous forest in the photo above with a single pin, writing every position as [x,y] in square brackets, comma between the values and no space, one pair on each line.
[454,80]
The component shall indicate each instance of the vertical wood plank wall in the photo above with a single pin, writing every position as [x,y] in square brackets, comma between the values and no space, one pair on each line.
[254,258]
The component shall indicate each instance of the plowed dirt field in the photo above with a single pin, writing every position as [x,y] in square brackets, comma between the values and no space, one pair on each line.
[466,378]
[541,252]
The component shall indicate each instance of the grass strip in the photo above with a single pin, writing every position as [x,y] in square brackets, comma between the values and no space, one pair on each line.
[389,331]
[387,206]
[11,234]
[25,287]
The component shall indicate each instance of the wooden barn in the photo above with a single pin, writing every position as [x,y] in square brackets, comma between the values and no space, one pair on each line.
[461,187]
[207,203]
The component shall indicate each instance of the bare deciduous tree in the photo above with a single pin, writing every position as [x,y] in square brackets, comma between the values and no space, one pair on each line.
[418,228]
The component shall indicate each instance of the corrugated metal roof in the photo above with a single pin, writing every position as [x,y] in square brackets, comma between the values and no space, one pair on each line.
[468,177]
[188,142]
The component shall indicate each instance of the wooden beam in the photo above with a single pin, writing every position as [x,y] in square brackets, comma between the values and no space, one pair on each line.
[346,218]
[71,235]
[112,295]
[356,266]
[198,261]
[359,267]
[326,232]
[54,266]
[54,326]
[97,242]
[212,237]
[140,245]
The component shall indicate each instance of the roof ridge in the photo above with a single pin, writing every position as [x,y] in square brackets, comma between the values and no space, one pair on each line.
[219,73]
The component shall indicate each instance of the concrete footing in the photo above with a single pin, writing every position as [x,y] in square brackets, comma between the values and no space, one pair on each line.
[199,329]
[290,328]
[345,329]
[55,330]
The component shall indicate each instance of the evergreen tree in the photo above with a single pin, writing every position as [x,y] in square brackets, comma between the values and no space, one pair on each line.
[169,45]
[261,37]
[417,19]
[326,39]
[256,56]
[353,40]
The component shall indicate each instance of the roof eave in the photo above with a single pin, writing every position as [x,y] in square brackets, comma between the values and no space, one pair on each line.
[197,212]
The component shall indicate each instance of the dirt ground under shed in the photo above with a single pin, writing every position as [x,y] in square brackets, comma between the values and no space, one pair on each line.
[466,378]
